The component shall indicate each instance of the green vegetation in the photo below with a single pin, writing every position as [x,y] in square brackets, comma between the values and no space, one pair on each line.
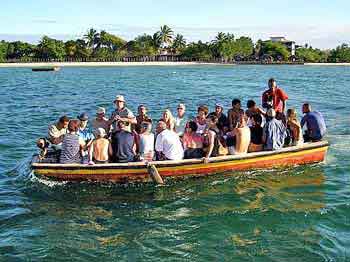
[104,46]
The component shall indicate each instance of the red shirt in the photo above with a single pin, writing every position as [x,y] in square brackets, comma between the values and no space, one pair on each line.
[275,97]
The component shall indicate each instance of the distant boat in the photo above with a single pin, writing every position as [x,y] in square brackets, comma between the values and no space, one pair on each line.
[45,69]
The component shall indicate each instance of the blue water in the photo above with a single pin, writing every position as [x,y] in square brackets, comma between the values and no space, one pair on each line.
[298,214]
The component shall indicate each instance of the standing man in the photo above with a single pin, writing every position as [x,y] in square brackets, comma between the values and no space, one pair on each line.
[122,113]
[180,120]
[315,124]
[275,98]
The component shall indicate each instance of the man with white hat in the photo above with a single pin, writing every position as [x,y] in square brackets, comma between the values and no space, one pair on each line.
[180,119]
[122,113]
[274,132]
[101,121]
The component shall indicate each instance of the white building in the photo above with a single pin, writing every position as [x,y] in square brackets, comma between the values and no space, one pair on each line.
[288,43]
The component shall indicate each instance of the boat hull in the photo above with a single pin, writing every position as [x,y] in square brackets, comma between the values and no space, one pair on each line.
[138,172]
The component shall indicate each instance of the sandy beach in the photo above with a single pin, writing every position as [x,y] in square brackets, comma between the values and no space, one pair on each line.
[328,64]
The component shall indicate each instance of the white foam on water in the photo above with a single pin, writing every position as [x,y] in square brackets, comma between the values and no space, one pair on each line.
[46,182]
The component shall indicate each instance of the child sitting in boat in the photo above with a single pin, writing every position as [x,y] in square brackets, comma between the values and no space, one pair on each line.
[294,127]
[146,142]
[100,149]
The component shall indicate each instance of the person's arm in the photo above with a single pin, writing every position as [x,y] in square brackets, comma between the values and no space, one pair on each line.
[91,152]
[264,135]
[82,145]
[284,104]
[264,100]
[261,112]
[56,140]
[136,145]
[110,149]
[284,97]
[302,122]
[159,146]
[211,137]
[229,120]
[53,136]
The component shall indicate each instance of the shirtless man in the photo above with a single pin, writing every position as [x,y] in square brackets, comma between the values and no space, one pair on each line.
[100,149]
[242,134]
[234,113]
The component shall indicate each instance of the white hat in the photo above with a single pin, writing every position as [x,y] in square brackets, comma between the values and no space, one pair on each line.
[101,132]
[100,110]
[271,113]
[119,98]
[181,105]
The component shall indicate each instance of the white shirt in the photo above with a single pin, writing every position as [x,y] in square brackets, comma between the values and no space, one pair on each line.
[168,142]
[146,143]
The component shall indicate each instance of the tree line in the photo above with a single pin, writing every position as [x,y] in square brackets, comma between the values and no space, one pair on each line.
[104,46]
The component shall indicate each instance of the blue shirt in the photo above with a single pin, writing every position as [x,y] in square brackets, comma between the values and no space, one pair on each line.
[86,134]
[275,134]
[316,126]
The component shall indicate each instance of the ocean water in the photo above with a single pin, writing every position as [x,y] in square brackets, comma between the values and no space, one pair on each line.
[297,214]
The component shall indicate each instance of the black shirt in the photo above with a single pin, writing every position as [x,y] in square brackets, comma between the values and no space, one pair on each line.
[222,121]
[256,134]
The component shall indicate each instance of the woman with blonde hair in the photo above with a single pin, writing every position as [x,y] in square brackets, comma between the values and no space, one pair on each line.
[169,119]
[295,128]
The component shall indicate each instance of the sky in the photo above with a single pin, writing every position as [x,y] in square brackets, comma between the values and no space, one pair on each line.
[322,24]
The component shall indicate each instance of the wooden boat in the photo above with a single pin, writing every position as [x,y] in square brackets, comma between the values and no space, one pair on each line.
[140,172]
[45,69]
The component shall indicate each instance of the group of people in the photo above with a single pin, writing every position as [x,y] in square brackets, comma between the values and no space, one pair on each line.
[124,137]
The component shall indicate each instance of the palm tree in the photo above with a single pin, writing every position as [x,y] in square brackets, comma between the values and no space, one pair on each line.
[178,43]
[220,37]
[165,35]
[92,37]
[156,40]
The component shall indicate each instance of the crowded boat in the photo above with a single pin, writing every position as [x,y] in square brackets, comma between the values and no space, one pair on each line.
[123,137]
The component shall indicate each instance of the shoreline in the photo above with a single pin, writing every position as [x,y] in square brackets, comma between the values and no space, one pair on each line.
[103,64]
[120,64]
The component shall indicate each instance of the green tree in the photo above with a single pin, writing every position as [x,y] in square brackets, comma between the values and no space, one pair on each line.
[50,48]
[112,42]
[179,43]
[18,50]
[311,55]
[165,35]
[340,54]
[198,50]
[244,46]
[92,38]
[275,49]
[143,45]
[3,51]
